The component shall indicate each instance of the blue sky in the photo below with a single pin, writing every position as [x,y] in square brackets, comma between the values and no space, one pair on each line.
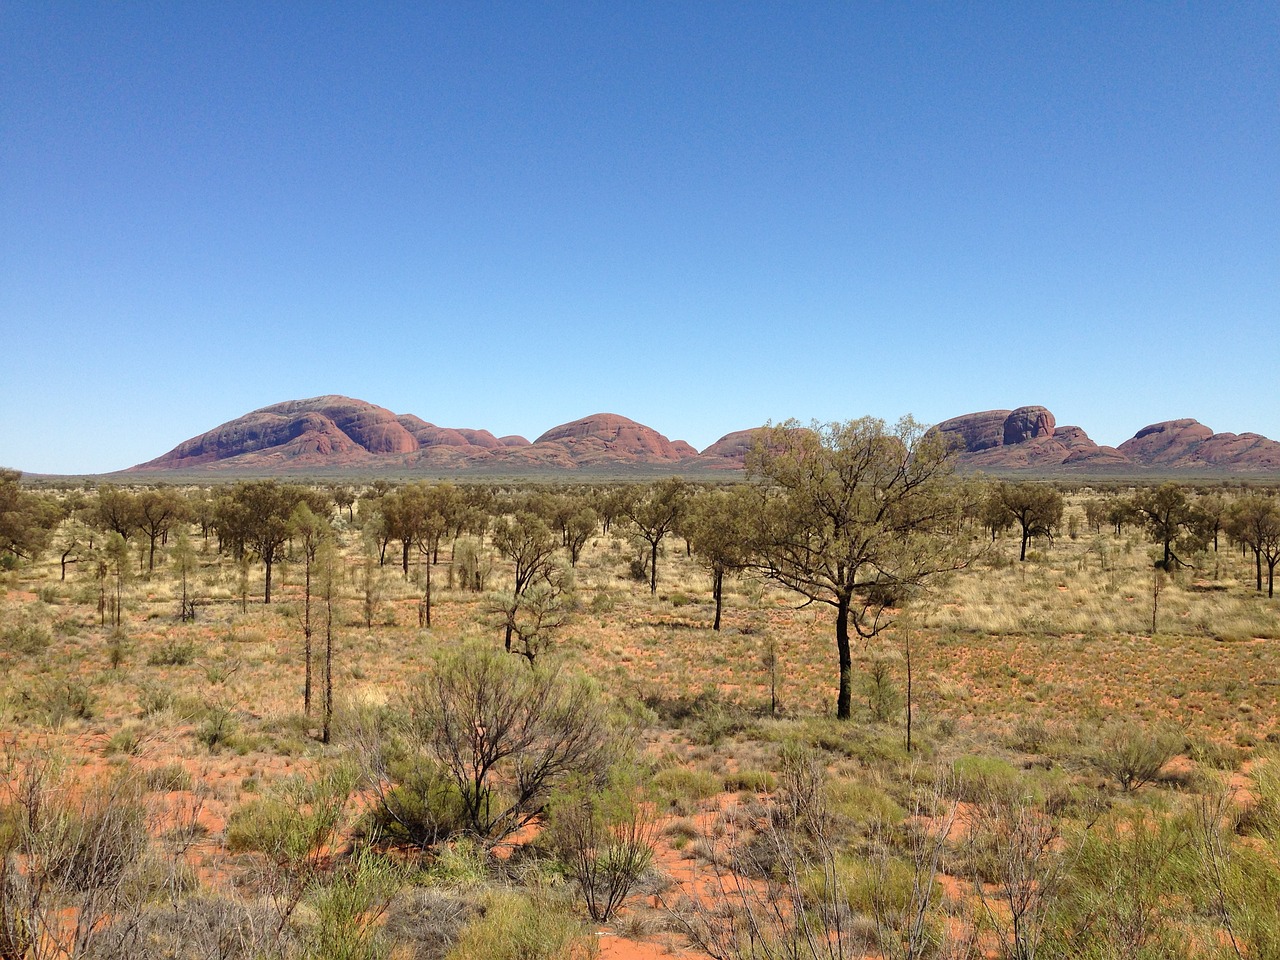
[698,215]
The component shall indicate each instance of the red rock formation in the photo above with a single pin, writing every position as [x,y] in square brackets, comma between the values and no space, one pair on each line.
[609,437]
[1188,444]
[333,431]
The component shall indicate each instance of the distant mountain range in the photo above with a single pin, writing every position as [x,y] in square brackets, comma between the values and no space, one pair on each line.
[339,434]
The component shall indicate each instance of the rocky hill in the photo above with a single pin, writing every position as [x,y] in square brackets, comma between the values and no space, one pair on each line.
[343,434]
[1029,439]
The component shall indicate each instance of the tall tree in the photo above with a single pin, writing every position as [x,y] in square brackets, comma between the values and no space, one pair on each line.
[157,510]
[310,532]
[718,527]
[529,544]
[1170,519]
[26,519]
[1035,507]
[116,510]
[854,515]
[264,508]
[184,561]
[654,514]
[1254,520]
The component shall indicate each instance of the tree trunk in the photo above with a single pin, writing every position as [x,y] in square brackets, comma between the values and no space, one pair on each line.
[266,559]
[844,700]
[306,633]
[718,591]
[328,676]
[404,558]
[1025,537]
[653,568]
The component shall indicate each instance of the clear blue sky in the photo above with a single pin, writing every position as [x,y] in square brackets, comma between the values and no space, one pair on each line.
[697,215]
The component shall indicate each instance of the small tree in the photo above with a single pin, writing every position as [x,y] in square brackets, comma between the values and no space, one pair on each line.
[852,515]
[1170,519]
[527,542]
[310,531]
[1254,521]
[1034,507]
[718,525]
[654,514]
[508,737]
[184,561]
[327,569]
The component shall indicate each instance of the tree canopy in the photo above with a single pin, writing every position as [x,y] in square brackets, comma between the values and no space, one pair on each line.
[853,515]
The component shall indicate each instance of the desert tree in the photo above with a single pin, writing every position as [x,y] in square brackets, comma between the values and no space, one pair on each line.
[74,537]
[1211,517]
[531,619]
[158,509]
[327,568]
[117,554]
[529,544]
[116,511]
[654,513]
[264,510]
[26,519]
[852,515]
[344,497]
[1254,521]
[1035,507]
[579,528]
[718,527]
[507,738]
[1170,519]
[184,562]
[309,532]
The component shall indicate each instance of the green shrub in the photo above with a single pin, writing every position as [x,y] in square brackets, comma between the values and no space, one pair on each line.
[514,926]
[979,779]
[1133,755]
[154,698]
[751,781]
[172,654]
[166,779]
[61,699]
[295,823]
[679,787]
[861,804]
[422,807]
[217,728]
[348,909]
[865,887]
[25,638]
[603,840]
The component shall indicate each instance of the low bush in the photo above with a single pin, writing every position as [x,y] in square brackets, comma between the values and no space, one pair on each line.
[512,926]
[172,654]
[1133,755]
[988,778]
[681,787]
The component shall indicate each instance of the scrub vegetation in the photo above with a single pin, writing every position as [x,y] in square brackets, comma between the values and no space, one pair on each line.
[855,706]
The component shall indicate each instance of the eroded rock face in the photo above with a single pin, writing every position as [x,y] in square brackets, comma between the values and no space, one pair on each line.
[729,452]
[1165,442]
[609,436]
[976,431]
[335,431]
[1027,423]
[1027,438]
[1189,444]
